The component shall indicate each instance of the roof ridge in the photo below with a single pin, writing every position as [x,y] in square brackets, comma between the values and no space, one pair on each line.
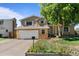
[30,17]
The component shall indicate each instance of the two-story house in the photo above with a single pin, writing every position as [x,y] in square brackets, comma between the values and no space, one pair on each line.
[7,27]
[32,27]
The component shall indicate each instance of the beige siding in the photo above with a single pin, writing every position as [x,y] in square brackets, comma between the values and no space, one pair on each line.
[70,30]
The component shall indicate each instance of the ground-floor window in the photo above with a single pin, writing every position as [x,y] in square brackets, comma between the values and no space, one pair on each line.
[6,30]
[0,35]
[65,29]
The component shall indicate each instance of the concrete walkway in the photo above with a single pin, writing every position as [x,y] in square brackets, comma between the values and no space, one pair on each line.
[15,47]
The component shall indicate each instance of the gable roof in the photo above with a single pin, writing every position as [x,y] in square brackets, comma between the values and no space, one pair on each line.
[9,19]
[31,18]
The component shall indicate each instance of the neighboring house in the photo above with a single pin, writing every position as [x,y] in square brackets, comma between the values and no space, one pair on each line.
[64,30]
[32,27]
[7,27]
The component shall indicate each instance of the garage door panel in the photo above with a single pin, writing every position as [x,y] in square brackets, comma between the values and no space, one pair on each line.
[28,33]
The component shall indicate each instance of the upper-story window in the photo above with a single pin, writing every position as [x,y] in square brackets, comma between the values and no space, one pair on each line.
[1,22]
[42,21]
[29,23]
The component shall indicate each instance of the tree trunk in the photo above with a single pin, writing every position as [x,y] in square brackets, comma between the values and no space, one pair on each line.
[59,33]
[63,28]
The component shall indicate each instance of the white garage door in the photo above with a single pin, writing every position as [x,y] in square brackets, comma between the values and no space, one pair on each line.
[28,33]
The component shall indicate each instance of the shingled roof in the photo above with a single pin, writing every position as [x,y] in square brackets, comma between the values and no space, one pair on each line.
[31,18]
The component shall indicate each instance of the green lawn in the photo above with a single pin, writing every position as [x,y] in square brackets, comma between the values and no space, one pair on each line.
[69,41]
[65,42]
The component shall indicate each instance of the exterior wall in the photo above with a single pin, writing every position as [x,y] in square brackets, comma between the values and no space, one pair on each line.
[70,30]
[43,36]
[7,25]
[27,34]
[35,22]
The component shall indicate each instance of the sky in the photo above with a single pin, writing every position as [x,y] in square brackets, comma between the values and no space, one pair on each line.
[18,10]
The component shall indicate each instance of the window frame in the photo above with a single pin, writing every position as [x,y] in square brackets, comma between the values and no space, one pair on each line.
[1,22]
[29,23]
[66,29]
[42,21]
[43,31]
[6,30]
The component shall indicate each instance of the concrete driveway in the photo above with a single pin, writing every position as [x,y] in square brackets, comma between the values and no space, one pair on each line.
[15,47]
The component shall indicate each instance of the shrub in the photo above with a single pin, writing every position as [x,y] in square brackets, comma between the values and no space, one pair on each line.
[71,38]
[56,47]
[41,46]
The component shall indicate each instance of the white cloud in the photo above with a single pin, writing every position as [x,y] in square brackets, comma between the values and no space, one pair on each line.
[6,13]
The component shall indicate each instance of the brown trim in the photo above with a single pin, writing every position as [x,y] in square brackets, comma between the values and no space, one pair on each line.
[14,25]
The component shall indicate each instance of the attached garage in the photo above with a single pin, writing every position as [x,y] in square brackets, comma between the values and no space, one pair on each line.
[28,34]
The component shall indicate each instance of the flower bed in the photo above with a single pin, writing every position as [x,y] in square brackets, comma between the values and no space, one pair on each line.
[45,48]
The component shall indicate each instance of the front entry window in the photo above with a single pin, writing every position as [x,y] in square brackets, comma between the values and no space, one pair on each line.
[43,31]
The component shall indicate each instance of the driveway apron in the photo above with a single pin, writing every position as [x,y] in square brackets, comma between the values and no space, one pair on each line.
[15,47]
